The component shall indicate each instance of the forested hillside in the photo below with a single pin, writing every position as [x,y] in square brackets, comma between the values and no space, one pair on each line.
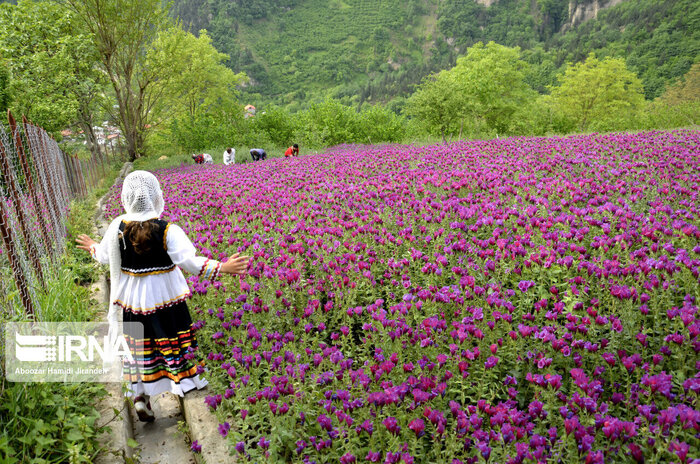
[299,51]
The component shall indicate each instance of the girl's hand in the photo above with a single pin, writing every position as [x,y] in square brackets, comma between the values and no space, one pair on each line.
[235,265]
[85,242]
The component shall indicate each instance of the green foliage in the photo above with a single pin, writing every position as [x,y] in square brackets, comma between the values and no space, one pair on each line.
[662,115]
[379,124]
[659,40]
[4,88]
[686,89]
[328,123]
[308,51]
[196,132]
[598,95]
[197,103]
[51,62]
[50,423]
[278,124]
[484,89]
[332,123]
[193,79]
[436,104]
[123,32]
[299,52]
[491,78]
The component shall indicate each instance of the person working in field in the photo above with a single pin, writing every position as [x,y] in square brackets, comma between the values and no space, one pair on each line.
[202,158]
[258,154]
[229,156]
[292,151]
[145,255]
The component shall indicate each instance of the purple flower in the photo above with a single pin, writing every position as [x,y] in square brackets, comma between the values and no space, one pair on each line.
[325,422]
[196,447]
[418,427]
[491,362]
[392,425]
[264,443]
[523,285]
[224,428]
[213,401]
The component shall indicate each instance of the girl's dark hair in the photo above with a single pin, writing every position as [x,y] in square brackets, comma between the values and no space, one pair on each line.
[139,235]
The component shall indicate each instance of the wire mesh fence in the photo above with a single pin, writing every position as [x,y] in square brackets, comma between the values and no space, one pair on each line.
[37,183]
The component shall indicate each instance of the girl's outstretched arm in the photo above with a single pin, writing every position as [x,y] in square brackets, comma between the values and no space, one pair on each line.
[235,264]
[183,253]
[97,250]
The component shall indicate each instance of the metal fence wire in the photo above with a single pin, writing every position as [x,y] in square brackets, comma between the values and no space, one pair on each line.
[37,183]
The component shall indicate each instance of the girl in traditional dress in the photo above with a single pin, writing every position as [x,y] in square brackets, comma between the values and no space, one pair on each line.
[145,255]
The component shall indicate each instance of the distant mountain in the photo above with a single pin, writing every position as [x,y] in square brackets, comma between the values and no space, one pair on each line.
[299,51]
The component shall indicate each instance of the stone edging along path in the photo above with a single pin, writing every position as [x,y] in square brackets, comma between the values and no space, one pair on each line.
[161,441]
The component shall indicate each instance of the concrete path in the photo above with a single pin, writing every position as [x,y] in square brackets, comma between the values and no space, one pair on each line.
[160,442]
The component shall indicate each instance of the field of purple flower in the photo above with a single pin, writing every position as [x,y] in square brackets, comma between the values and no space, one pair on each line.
[514,300]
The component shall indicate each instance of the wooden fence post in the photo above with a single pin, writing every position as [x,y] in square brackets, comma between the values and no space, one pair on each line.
[14,195]
[20,278]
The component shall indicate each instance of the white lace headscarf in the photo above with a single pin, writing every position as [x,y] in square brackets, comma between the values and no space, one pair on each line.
[142,199]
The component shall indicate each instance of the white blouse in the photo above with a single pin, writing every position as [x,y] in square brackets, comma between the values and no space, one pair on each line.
[149,293]
[230,158]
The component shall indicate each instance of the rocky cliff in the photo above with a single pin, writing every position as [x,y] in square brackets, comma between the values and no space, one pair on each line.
[581,11]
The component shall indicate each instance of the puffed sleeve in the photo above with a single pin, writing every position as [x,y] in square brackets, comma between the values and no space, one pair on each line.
[183,253]
[100,251]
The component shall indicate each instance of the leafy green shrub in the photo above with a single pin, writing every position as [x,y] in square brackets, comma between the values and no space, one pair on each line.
[277,123]
[49,423]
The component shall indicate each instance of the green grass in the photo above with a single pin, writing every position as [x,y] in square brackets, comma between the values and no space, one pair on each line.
[54,422]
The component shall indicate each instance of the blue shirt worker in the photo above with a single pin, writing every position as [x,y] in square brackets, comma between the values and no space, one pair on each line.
[258,154]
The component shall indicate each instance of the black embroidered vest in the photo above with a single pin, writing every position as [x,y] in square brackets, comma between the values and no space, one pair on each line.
[154,261]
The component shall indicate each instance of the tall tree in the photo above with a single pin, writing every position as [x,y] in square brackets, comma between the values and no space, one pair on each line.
[50,56]
[595,92]
[194,77]
[486,87]
[123,32]
[198,106]
[491,78]
[437,104]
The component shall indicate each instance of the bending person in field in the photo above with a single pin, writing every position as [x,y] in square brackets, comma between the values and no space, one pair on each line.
[292,151]
[229,156]
[145,255]
[202,158]
[258,154]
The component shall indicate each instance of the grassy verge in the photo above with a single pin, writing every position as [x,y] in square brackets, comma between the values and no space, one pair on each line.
[55,422]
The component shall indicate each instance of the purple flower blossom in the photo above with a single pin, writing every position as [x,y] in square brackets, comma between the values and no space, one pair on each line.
[224,428]
[392,425]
